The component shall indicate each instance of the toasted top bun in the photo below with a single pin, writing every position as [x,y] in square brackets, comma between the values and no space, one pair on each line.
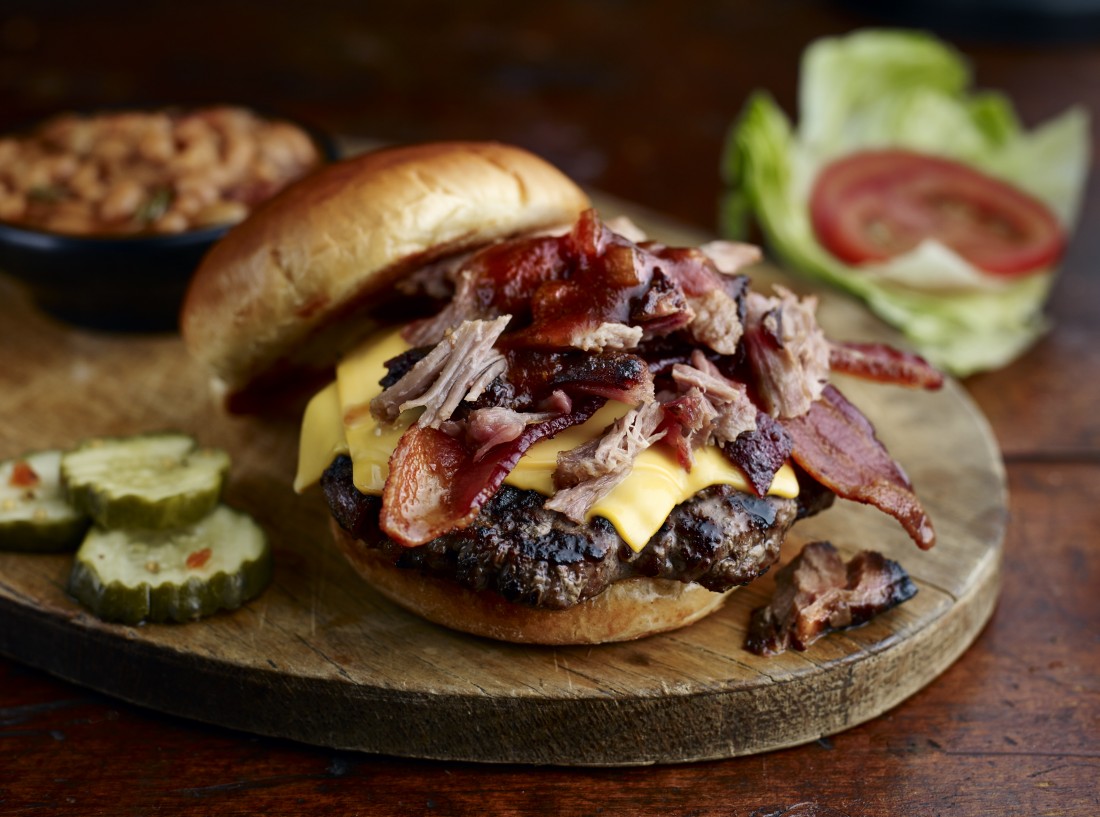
[288,290]
[627,610]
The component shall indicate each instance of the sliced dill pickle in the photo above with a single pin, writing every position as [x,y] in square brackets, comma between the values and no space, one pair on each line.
[34,514]
[130,576]
[146,481]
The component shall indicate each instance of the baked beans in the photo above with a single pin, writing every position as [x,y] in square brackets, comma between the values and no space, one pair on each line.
[148,172]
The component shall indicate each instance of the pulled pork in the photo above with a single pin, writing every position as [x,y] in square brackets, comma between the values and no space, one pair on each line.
[458,368]
[734,412]
[588,472]
[789,352]
[717,322]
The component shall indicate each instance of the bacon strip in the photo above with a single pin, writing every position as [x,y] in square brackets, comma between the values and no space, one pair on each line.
[435,485]
[760,452]
[837,446]
[613,375]
[418,500]
[497,280]
[885,364]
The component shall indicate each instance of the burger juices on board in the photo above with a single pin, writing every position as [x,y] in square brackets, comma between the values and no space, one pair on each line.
[590,437]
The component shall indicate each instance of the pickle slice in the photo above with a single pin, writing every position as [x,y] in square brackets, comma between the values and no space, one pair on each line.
[147,481]
[34,515]
[130,576]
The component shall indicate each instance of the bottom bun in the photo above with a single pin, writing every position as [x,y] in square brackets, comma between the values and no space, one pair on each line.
[627,610]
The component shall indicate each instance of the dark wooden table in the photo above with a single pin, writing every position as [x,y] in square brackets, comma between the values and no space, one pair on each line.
[634,99]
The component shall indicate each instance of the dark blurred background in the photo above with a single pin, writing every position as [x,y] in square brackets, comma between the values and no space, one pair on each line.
[522,72]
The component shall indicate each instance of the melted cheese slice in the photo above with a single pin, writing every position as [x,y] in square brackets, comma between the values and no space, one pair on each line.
[338,421]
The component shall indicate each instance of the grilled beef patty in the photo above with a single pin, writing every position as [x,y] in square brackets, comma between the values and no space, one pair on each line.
[720,538]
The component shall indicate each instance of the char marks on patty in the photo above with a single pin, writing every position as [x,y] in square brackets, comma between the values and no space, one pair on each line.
[530,555]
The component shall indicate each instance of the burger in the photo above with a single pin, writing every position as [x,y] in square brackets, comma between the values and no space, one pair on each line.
[531,423]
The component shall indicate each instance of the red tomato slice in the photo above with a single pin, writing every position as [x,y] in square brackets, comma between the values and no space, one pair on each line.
[874,205]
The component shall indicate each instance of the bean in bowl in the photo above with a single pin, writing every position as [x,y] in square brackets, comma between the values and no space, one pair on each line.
[148,172]
[104,217]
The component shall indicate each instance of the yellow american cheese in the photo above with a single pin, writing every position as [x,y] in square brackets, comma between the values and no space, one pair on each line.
[338,420]
[321,438]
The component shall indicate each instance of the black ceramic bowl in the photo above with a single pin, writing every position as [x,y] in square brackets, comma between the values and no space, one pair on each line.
[131,283]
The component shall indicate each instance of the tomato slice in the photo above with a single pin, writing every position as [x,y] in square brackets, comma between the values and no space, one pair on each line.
[874,205]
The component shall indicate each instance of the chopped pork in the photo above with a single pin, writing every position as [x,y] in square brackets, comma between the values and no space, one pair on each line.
[717,321]
[587,473]
[734,412]
[606,336]
[730,257]
[459,368]
[788,350]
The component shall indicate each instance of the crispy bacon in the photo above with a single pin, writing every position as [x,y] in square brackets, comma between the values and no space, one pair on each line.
[418,499]
[760,452]
[614,280]
[500,279]
[877,361]
[694,271]
[435,485]
[605,273]
[816,593]
[837,446]
[613,375]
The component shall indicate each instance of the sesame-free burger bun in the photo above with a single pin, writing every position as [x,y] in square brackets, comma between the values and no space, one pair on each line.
[627,610]
[288,290]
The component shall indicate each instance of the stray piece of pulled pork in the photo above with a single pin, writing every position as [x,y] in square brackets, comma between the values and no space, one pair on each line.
[816,593]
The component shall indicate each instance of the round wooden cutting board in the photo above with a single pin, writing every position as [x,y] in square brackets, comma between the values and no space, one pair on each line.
[321,659]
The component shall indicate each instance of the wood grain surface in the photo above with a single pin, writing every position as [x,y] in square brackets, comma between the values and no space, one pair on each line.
[322,659]
[633,99]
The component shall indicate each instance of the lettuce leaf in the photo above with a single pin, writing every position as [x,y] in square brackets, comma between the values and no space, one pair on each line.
[888,88]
